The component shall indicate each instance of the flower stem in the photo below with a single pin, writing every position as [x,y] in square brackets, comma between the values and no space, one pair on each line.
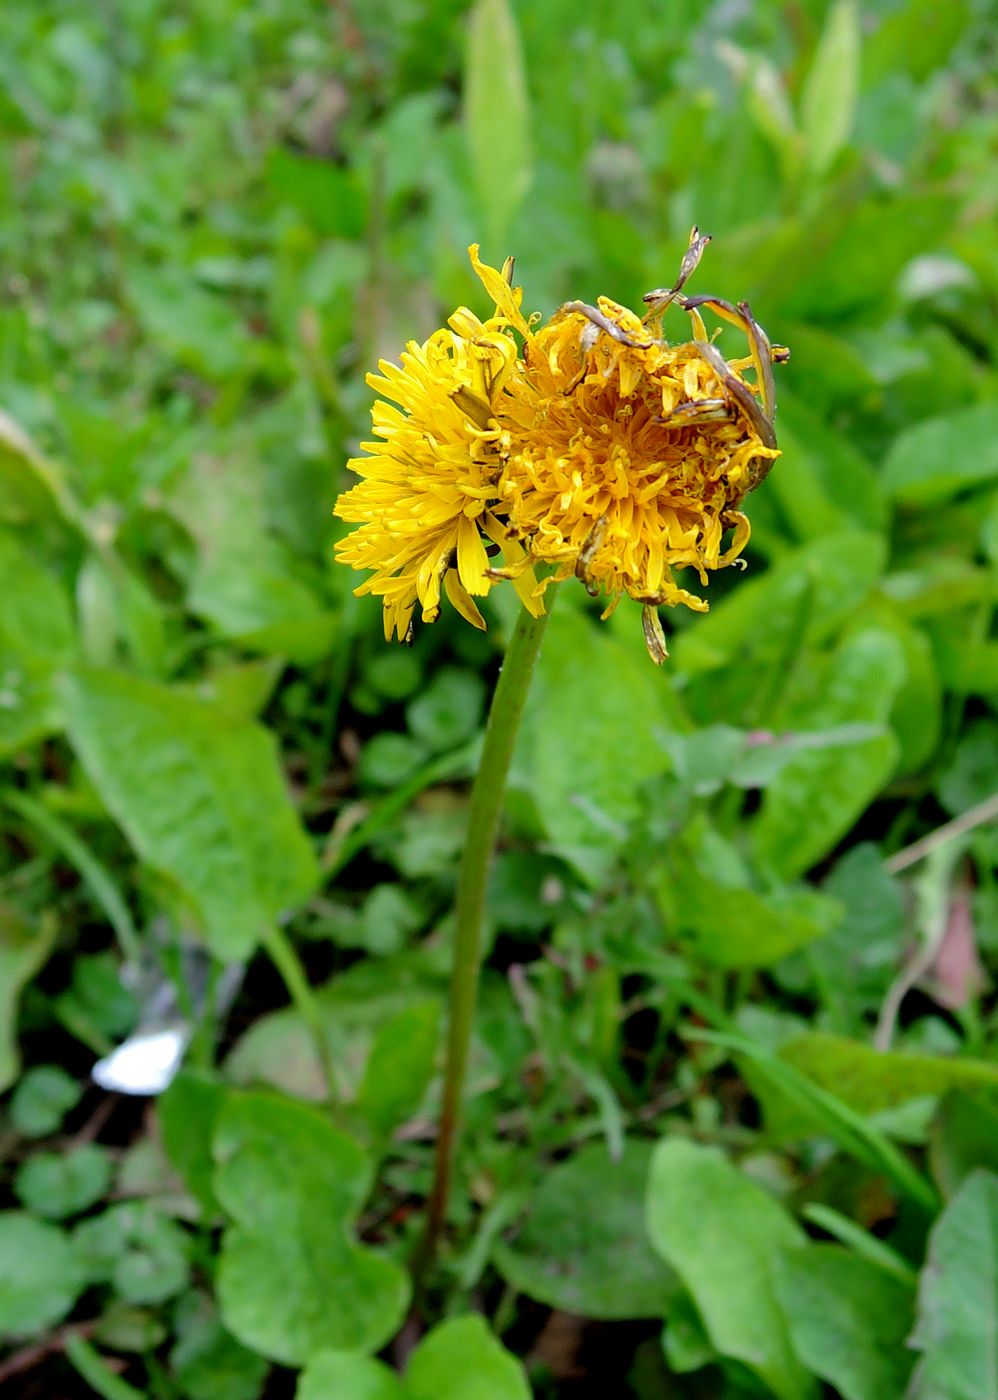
[484,812]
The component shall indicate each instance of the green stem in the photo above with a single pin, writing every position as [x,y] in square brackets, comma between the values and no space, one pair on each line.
[483,824]
[283,955]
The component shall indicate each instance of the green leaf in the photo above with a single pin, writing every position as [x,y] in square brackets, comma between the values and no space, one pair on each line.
[733,926]
[448,710]
[833,575]
[207,1362]
[31,486]
[43,1097]
[245,581]
[138,1249]
[861,247]
[497,116]
[825,1114]
[345,1373]
[278,1049]
[36,640]
[917,712]
[825,484]
[115,605]
[963,1136]
[291,1280]
[969,776]
[461,1360]
[848,1319]
[101,882]
[857,959]
[872,1081]
[584,777]
[399,1067]
[57,1184]
[203,332]
[828,103]
[814,800]
[957,1328]
[915,38]
[188,1114]
[201,799]
[24,950]
[458,1360]
[934,460]
[583,1247]
[723,1235]
[39,1277]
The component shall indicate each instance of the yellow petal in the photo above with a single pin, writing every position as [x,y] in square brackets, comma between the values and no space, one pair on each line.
[506,298]
[462,600]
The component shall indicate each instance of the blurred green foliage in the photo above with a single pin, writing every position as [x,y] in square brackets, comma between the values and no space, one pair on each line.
[736,1061]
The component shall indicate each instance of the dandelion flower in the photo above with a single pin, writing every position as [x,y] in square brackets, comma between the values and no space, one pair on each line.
[599,449]
[424,503]
[627,458]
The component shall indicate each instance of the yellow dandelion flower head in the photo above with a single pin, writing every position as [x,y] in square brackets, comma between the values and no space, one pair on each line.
[599,449]
[627,458]
[428,485]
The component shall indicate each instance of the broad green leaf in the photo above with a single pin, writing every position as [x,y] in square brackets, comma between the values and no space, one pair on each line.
[934,460]
[584,776]
[848,1318]
[685,1342]
[39,1277]
[252,595]
[957,1328]
[291,1279]
[963,1136]
[330,196]
[278,1049]
[871,1081]
[447,711]
[187,1114]
[59,1184]
[24,950]
[116,608]
[971,774]
[331,1374]
[399,1067]
[857,959]
[915,37]
[816,797]
[201,799]
[833,576]
[245,581]
[42,1098]
[202,331]
[734,926]
[824,1113]
[825,484]
[36,640]
[828,104]
[31,486]
[241,688]
[457,1360]
[917,712]
[583,1246]
[723,1235]
[138,1249]
[208,1363]
[461,1360]
[497,117]
[100,881]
